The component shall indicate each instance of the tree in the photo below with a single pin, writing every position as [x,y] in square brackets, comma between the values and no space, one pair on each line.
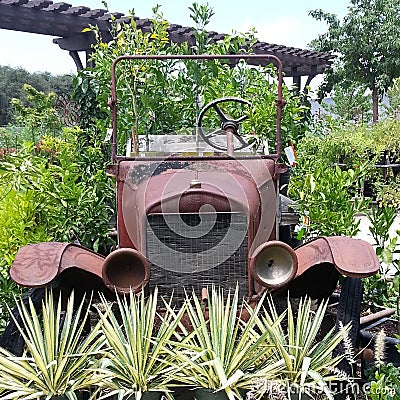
[40,115]
[11,86]
[350,103]
[367,45]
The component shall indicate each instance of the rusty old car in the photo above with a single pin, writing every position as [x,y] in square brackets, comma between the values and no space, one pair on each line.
[205,213]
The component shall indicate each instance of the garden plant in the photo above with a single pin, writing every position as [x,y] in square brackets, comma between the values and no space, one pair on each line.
[54,188]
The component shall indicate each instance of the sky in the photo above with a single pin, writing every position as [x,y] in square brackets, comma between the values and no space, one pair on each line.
[282,22]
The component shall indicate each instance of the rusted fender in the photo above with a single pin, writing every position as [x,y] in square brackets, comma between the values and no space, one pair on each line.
[37,265]
[351,257]
[323,260]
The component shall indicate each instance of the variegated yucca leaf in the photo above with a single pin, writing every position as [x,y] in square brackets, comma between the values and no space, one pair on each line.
[224,351]
[139,356]
[59,358]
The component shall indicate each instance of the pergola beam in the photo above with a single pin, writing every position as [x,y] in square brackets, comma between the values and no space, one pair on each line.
[67,22]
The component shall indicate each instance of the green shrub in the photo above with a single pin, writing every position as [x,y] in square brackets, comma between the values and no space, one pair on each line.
[55,191]
[158,97]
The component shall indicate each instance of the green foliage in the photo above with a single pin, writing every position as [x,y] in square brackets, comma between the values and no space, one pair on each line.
[388,192]
[13,79]
[326,198]
[39,117]
[393,109]
[328,195]
[161,97]
[383,288]
[366,44]
[59,359]
[18,227]
[350,103]
[71,192]
[309,366]
[55,191]
[385,383]
[85,92]
[134,349]
[224,352]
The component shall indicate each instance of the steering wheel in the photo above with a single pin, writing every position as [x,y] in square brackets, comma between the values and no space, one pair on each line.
[229,126]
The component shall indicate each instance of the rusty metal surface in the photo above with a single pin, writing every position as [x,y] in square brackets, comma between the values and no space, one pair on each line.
[324,259]
[124,270]
[313,253]
[146,186]
[281,269]
[39,264]
[351,257]
[82,258]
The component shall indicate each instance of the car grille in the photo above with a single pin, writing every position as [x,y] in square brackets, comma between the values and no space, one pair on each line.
[188,252]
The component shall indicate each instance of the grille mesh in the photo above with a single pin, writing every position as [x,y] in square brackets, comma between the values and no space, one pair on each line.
[193,251]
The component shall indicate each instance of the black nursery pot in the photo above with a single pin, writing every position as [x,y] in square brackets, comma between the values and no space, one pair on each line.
[369,189]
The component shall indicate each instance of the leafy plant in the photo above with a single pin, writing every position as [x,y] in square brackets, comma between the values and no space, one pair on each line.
[384,377]
[385,383]
[350,103]
[159,97]
[309,364]
[139,358]
[40,116]
[11,86]
[60,354]
[224,352]
[54,191]
[364,44]
[388,192]
[70,193]
[393,109]
[18,211]
[383,288]
[325,198]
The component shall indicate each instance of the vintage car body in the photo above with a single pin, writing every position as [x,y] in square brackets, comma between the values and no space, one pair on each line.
[187,221]
[166,240]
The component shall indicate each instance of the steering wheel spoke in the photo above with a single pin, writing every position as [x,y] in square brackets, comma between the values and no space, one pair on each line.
[241,119]
[221,115]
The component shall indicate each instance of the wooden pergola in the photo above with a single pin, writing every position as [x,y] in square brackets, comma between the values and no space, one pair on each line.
[66,23]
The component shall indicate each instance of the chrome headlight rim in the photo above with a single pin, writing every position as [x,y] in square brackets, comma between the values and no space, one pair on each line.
[283,274]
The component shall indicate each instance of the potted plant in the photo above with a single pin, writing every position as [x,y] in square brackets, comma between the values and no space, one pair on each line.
[382,291]
[138,363]
[223,352]
[310,365]
[59,359]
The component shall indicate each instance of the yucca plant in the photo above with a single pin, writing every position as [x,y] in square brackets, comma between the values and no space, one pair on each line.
[310,363]
[139,359]
[224,352]
[59,358]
